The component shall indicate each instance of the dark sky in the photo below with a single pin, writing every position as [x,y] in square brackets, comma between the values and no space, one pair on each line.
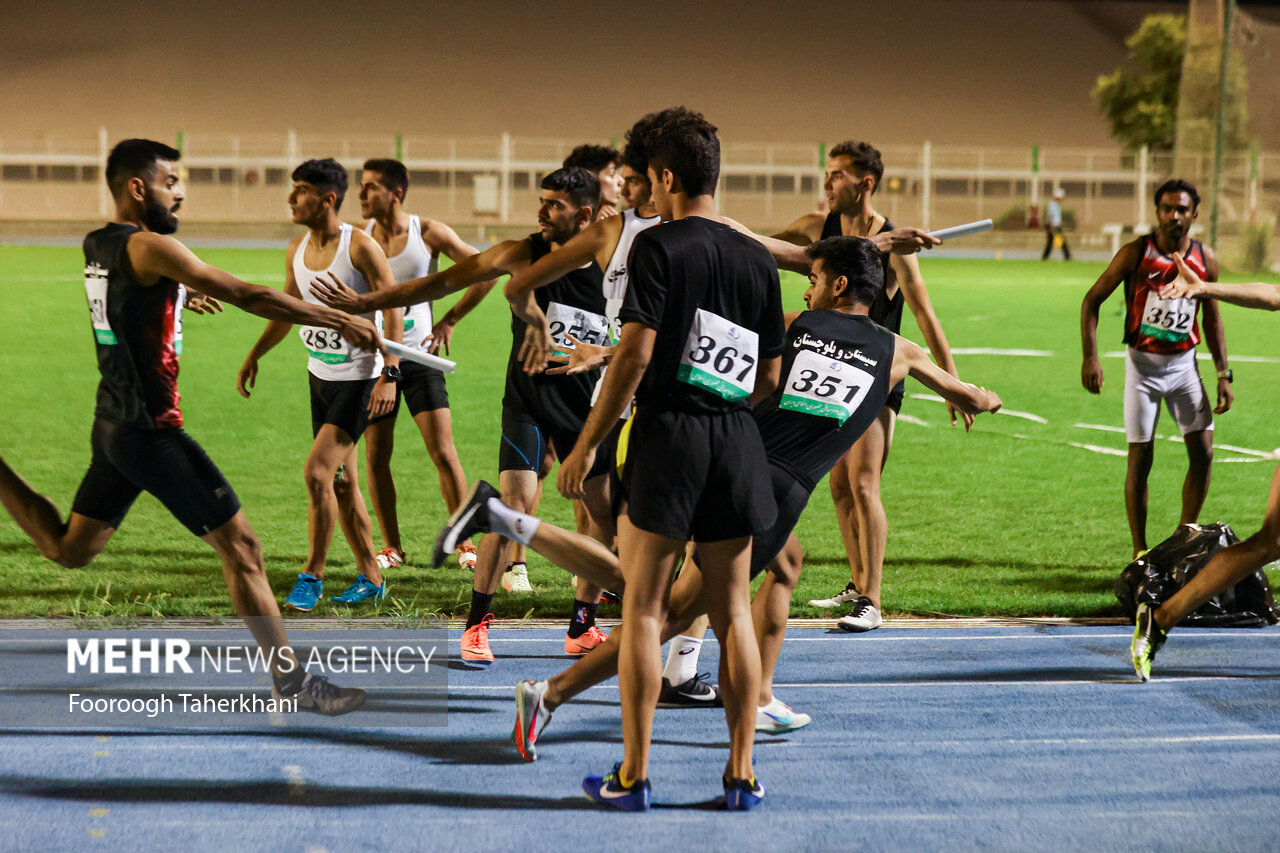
[989,72]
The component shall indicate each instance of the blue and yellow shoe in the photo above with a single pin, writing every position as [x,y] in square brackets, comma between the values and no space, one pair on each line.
[362,590]
[742,795]
[306,591]
[608,791]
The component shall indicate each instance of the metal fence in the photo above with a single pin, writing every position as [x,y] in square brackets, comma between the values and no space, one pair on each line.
[492,181]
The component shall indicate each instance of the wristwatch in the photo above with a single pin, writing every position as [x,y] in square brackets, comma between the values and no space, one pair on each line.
[1227,375]
[391,372]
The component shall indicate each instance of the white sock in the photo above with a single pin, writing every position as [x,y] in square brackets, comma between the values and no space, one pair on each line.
[682,659]
[505,521]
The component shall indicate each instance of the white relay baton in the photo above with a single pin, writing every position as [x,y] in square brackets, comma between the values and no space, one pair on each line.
[963,230]
[423,357]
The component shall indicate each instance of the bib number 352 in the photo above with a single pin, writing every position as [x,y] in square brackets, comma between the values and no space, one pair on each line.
[720,357]
[1167,319]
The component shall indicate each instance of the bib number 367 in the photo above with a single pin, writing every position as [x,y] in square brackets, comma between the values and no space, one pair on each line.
[720,357]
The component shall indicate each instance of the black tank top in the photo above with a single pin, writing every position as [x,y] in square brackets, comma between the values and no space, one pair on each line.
[574,304]
[835,381]
[885,310]
[134,330]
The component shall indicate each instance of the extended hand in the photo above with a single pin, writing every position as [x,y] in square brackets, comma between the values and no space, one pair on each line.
[1091,375]
[198,303]
[1187,285]
[362,334]
[582,358]
[441,335]
[535,349]
[905,241]
[335,294]
[965,416]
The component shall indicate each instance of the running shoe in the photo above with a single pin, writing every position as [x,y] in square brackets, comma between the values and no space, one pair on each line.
[389,558]
[516,578]
[581,645]
[694,693]
[864,617]
[320,695]
[848,595]
[471,517]
[466,557]
[307,590]
[742,795]
[777,718]
[610,595]
[608,791]
[475,642]
[362,590]
[1148,637]
[532,717]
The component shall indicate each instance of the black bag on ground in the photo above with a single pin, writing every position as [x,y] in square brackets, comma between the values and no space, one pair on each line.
[1154,577]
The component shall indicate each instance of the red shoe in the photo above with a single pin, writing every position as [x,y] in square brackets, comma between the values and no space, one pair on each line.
[389,558]
[585,643]
[467,557]
[475,642]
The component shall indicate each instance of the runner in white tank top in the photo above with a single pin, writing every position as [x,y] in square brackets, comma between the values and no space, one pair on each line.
[346,384]
[413,247]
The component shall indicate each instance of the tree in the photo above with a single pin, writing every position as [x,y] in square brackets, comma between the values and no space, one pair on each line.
[1141,99]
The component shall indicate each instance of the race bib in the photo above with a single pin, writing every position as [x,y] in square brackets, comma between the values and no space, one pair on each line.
[586,326]
[95,288]
[177,319]
[1167,319]
[720,357]
[324,344]
[824,387]
[612,308]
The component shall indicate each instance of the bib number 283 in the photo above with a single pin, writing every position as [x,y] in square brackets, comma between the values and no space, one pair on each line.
[720,357]
[324,344]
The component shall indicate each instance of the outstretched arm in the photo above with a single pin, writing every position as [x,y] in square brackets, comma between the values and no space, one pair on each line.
[588,245]
[909,359]
[1190,286]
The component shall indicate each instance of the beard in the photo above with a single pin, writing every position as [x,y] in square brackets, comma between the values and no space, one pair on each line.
[158,218]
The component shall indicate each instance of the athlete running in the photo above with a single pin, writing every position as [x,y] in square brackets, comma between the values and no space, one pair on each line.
[132,274]
[1160,337]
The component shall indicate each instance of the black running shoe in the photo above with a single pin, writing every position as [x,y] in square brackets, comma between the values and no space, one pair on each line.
[471,517]
[610,595]
[694,693]
[1148,637]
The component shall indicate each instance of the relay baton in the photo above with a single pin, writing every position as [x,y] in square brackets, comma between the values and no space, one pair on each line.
[443,365]
[963,230]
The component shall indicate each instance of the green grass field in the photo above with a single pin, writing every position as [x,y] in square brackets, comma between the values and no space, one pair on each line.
[1009,519]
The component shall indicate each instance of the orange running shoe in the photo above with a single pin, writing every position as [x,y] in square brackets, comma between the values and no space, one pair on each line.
[466,557]
[585,643]
[475,642]
[389,558]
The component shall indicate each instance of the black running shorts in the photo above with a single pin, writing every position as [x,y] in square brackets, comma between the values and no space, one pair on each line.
[168,463]
[895,397]
[343,403]
[422,388]
[524,443]
[702,477]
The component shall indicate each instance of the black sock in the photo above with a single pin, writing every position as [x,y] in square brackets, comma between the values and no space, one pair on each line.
[480,604]
[584,616]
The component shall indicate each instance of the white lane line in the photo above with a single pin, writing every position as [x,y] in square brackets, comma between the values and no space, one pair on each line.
[1101,427]
[1247,451]
[1261,454]
[1104,677]
[912,419]
[1204,356]
[1027,416]
[1094,448]
[1023,353]
[1030,634]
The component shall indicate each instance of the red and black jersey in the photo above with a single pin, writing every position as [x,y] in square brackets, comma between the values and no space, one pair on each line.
[1152,324]
[134,330]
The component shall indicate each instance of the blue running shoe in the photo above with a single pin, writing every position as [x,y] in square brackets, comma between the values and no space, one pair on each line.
[742,795]
[362,590]
[305,593]
[608,791]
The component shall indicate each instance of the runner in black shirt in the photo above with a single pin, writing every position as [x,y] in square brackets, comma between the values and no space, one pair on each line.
[135,277]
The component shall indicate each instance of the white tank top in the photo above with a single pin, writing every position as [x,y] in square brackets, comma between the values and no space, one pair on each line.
[330,356]
[615,275]
[415,261]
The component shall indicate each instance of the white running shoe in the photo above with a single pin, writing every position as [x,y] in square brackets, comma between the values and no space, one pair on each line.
[389,558]
[466,557]
[532,717]
[863,617]
[848,595]
[516,578]
[776,718]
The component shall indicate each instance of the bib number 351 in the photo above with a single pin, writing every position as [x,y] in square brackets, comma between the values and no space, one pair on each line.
[720,357]
[824,387]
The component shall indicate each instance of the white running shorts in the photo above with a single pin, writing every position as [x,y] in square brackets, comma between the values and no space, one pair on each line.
[1151,377]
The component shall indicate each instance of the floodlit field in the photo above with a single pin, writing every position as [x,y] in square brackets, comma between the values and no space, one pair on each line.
[1024,516]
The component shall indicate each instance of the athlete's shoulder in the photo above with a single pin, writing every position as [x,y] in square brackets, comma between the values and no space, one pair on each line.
[810,225]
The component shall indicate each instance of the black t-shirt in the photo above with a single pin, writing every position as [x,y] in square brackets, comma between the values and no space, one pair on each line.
[712,294]
[574,304]
[884,310]
[835,380]
[134,329]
